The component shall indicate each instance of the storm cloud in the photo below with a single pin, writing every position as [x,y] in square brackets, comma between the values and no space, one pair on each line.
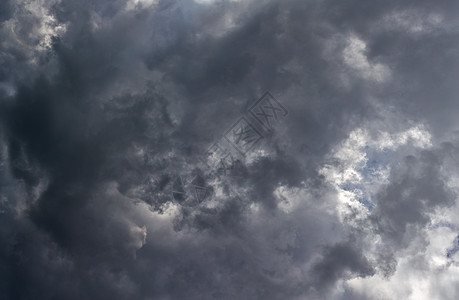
[126,171]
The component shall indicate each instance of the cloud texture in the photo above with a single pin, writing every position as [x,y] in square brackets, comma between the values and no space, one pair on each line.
[107,110]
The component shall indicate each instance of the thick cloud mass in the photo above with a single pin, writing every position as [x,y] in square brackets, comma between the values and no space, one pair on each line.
[110,112]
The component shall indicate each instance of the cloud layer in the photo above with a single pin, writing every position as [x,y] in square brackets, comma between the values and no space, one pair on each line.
[108,108]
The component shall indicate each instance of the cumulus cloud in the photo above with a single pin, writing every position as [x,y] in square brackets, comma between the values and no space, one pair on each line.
[109,110]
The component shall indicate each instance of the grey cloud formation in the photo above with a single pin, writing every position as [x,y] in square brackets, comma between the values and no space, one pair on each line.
[352,195]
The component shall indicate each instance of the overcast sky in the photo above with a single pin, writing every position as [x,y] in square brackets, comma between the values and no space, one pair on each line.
[234,149]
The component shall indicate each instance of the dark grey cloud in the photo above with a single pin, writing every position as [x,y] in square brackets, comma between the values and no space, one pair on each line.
[104,105]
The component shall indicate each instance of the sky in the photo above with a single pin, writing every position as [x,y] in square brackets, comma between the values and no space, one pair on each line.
[229,149]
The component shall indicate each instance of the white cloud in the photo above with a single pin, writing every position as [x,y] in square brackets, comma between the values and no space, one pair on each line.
[354,57]
[354,176]
[420,275]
